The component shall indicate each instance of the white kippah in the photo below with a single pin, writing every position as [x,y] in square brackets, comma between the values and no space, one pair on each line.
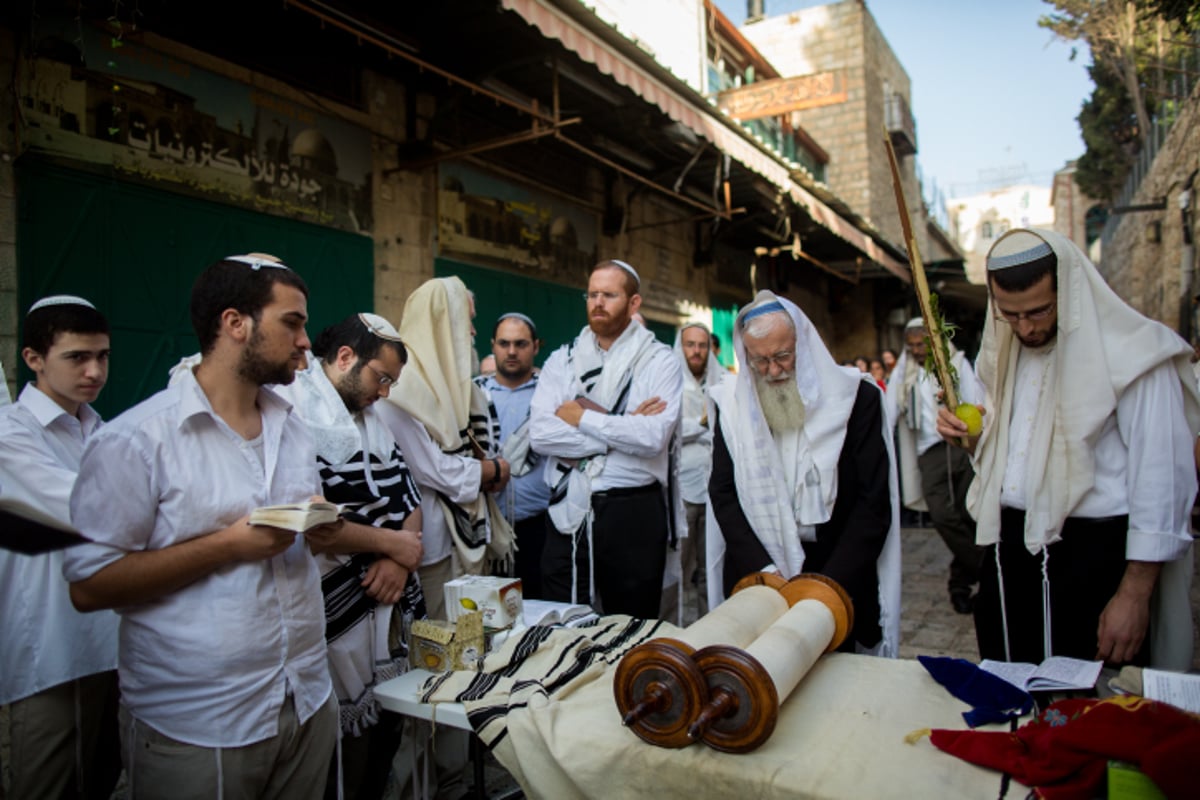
[380,327]
[915,322]
[59,300]
[1015,248]
[257,261]
[618,263]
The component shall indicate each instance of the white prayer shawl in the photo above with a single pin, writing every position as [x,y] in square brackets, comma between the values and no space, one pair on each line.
[1103,346]
[436,389]
[829,392]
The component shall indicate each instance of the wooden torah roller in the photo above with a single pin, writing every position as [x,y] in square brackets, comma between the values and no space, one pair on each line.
[746,687]
[658,687]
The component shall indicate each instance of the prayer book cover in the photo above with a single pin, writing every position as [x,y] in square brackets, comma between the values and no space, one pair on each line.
[25,529]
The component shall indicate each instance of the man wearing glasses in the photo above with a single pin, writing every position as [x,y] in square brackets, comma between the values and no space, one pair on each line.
[371,572]
[607,409]
[1084,469]
[802,473]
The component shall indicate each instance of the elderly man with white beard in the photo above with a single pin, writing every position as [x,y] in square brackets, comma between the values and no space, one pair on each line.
[803,475]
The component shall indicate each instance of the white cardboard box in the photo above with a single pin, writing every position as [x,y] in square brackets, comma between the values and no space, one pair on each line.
[500,599]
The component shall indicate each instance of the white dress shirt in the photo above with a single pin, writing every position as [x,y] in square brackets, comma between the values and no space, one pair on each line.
[212,663]
[1143,458]
[44,641]
[457,477]
[695,456]
[637,447]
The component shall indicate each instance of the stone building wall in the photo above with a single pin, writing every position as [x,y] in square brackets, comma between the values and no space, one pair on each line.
[1142,261]
[9,319]
[1070,206]
[826,38]
[844,37]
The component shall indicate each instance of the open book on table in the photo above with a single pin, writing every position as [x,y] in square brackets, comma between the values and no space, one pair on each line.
[298,517]
[546,612]
[28,530]
[1179,689]
[1055,674]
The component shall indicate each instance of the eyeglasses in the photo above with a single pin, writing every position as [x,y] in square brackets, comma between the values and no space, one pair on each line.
[1036,315]
[780,360]
[608,297]
[384,379]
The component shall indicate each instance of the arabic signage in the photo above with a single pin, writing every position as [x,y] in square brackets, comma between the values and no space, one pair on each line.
[777,96]
[485,218]
[158,120]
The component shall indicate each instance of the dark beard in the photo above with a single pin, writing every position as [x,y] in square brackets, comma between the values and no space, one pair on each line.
[257,370]
[511,375]
[350,389]
[1051,335]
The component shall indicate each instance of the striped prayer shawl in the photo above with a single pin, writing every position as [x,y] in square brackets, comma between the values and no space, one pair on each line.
[380,494]
[538,662]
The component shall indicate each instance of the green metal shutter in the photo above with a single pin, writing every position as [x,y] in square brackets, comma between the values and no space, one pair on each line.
[134,251]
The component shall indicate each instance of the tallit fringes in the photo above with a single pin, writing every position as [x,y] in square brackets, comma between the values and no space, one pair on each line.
[1003,605]
[1047,640]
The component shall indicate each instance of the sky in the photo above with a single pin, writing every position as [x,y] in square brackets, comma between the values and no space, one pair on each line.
[995,96]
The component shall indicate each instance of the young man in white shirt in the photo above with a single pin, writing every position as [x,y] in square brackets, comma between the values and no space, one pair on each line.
[57,666]
[225,685]
[1084,470]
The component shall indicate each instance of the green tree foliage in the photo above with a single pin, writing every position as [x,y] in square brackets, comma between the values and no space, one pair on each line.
[1132,42]
[1185,13]
[1109,127]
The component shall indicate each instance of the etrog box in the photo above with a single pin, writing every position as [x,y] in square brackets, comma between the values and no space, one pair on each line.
[500,599]
[438,646]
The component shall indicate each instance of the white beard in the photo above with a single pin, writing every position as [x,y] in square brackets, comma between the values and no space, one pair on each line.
[781,404]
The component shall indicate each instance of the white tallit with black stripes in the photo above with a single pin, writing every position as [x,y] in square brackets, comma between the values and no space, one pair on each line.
[605,379]
[363,471]
[535,665]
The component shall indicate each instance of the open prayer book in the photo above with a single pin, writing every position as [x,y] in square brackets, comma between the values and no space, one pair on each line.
[1179,689]
[1055,674]
[298,517]
[28,530]
[545,612]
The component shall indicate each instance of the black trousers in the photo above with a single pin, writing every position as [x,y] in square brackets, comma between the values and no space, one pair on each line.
[940,466]
[629,543]
[531,540]
[1085,568]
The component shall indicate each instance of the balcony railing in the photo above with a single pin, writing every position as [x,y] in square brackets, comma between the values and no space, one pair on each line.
[900,124]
